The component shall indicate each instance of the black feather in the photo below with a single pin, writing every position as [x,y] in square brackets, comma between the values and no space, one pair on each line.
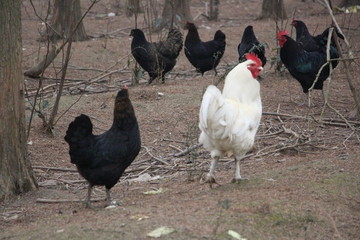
[204,56]
[156,58]
[102,159]
[304,65]
[316,43]
[249,43]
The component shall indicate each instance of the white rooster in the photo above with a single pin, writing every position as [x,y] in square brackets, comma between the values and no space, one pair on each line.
[229,120]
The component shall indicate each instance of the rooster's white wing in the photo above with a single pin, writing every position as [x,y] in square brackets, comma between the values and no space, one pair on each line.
[222,118]
[214,114]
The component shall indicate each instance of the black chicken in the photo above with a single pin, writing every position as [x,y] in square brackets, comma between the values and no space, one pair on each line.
[102,159]
[156,58]
[303,36]
[204,56]
[249,43]
[316,43]
[303,65]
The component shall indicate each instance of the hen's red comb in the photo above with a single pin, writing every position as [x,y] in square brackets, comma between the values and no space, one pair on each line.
[253,57]
[282,33]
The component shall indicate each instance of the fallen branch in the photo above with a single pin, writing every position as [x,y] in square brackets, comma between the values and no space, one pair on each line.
[164,161]
[186,151]
[325,121]
[46,200]
[55,169]
[36,71]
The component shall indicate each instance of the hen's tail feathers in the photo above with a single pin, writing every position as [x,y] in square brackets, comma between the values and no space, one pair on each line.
[219,35]
[80,128]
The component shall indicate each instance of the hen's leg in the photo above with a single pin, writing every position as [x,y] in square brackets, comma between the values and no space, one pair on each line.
[108,197]
[237,177]
[87,202]
[150,80]
[210,177]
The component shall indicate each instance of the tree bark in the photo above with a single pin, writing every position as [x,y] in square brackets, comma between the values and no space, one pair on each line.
[132,7]
[214,10]
[273,9]
[16,175]
[175,12]
[66,13]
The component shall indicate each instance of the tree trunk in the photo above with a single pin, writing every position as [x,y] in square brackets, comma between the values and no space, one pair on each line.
[273,9]
[214,10]
[66,13]
[132,7]
[175,12]
[16,175]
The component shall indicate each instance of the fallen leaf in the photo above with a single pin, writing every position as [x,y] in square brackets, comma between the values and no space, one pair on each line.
[235,235]
[151,192]
[110,207]
[144,178]
[139,217]
[161,231]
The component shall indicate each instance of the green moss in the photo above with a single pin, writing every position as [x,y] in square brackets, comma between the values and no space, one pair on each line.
[338,183]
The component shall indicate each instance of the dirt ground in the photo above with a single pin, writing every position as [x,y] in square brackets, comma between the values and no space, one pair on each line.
[303,176]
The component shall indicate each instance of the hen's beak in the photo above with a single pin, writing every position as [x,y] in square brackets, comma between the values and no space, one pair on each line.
[260,68]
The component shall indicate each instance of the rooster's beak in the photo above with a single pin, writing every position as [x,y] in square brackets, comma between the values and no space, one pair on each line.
[260,68]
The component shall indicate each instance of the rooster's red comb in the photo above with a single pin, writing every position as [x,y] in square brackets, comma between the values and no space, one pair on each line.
[253,57]
[283,33]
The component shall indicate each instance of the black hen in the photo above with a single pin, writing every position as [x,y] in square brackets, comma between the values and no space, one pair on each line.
[303,36]
[204,56]
[249,43]
[102,159]
[303,65]
[316,43]
[157,58]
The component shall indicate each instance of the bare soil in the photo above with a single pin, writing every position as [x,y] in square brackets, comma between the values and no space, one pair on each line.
[303,175]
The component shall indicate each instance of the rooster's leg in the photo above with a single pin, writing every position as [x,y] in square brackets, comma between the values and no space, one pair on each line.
[87,203]
[210,177]
[237,177]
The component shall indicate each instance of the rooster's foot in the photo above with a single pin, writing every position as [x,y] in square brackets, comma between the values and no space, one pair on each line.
[210,180]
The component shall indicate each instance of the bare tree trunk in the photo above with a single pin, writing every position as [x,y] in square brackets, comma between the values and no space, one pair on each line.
[61,21]
[175,12]
[16,175]
[132,7]
[214,10]
[273,9]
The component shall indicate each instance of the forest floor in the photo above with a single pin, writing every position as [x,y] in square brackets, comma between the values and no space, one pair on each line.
[303,175]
